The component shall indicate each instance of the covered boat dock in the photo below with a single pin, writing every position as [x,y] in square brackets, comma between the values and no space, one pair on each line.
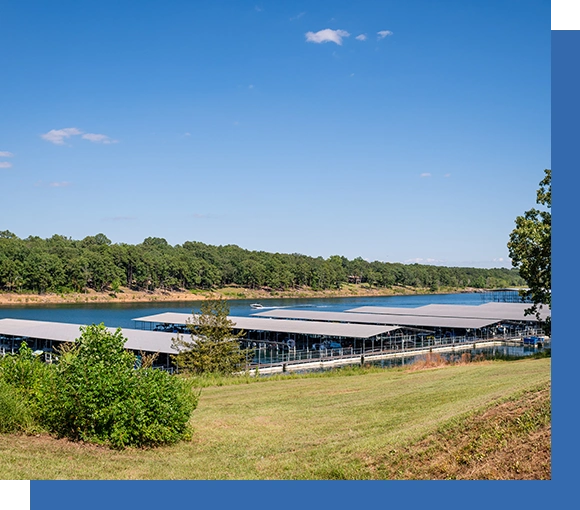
[44,337]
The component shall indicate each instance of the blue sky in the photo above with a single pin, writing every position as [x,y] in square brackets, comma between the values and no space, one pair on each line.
[397,131]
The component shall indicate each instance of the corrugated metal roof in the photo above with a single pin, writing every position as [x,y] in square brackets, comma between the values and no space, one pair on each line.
[371,318]
[516,310]
[138,340]
[387,310]
[283,326]
[493,310]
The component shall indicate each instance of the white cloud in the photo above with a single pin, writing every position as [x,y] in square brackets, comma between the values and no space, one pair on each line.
[57,136]
[5,164]
[327,35]
[96,138]
[6,154]
[420,260]
[384,33]
[298,16]
[361,37]
[54,184]
[426,174]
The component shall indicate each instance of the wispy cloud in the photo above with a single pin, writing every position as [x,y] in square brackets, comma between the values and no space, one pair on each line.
[54,184]
[425,174]
[6,154]
[97,138]
[327,35]
[361,37]
[58,136]
[383,33]
[298,16]
[420,260]
[5,164]
[447,175]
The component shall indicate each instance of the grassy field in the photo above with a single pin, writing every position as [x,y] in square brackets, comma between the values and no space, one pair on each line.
[479,420]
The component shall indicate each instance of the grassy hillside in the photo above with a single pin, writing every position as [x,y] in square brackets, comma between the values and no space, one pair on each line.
[480,420]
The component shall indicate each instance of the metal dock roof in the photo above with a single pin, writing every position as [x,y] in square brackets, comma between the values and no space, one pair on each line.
[371,318]
[138,340]
[492,310]
[283,326]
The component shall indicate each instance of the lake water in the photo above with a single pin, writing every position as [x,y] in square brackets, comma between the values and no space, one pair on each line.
[121,314]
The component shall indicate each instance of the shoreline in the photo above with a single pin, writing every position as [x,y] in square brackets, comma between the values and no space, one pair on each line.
[229,293]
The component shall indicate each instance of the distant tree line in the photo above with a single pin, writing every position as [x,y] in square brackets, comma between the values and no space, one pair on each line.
[61,264]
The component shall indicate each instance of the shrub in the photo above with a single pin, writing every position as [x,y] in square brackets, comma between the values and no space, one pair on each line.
[15,415]
[24,381]
[101,398]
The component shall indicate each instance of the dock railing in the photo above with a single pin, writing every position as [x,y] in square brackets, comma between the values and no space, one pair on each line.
[270,357]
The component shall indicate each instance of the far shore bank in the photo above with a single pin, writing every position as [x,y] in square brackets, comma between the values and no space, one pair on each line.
[229,293]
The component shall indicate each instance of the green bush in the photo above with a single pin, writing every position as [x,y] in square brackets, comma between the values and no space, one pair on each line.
[100,397]
[15,415]
[157,413]
[94,394]
[24,382]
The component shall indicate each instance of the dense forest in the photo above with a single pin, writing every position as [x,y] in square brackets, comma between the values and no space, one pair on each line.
[61,264]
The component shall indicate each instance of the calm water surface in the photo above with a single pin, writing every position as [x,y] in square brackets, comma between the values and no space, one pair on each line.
[121,314]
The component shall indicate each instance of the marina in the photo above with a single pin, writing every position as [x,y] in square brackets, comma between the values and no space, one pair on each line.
[300,338]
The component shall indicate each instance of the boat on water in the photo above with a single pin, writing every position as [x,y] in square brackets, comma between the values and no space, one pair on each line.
[256,306]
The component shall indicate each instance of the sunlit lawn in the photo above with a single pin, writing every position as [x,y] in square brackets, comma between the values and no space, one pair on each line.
[300,428]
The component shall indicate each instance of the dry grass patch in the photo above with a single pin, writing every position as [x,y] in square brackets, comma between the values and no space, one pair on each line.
[510,440]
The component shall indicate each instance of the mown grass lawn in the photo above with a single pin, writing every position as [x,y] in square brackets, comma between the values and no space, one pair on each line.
[315,427]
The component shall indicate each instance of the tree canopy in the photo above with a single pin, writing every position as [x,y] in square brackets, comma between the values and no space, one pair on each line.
[530,248]
[61,264]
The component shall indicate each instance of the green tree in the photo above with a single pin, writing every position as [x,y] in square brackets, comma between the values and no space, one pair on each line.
[213,346]
[530,248]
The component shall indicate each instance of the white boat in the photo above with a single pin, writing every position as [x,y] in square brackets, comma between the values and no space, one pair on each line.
[256,305]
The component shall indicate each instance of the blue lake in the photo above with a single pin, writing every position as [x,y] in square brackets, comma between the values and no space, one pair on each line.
[121,314]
